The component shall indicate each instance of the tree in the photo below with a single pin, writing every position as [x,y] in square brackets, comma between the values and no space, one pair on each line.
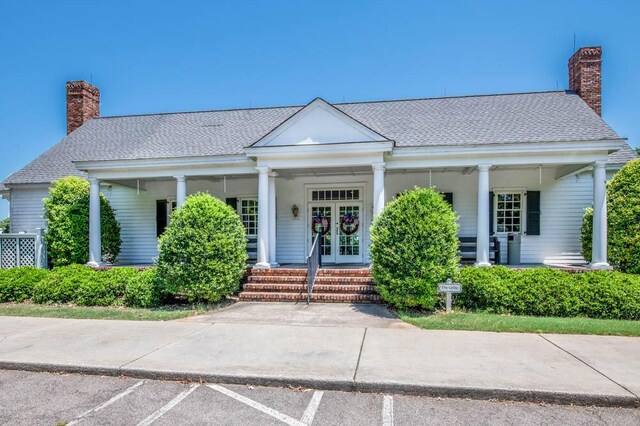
[67,216]
[623,220]
[203,251]
[414,247]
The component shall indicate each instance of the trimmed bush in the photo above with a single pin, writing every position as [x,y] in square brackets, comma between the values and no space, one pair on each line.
[414,247]
[5,225]
[623,205]
[203,251]
[16,284]
[548,292]
[67,215]
[62,284]
[142,292]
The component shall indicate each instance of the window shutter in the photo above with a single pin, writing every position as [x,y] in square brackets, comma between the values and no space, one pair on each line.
[533,212]
[233,202]
[491,213]
[161,216]
[448,197]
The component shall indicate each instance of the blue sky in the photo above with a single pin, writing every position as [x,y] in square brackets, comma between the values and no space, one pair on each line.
[181,56]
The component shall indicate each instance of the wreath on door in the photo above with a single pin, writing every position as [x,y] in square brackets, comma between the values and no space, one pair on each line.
[320,224]
[349,219]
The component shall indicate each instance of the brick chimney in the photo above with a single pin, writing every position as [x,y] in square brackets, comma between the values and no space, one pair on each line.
[83,103]
[585,76]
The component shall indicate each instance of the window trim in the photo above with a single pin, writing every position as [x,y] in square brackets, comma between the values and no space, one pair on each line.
[523,209]
[239,211]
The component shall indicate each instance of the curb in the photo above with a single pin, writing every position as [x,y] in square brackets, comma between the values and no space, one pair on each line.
[518,395]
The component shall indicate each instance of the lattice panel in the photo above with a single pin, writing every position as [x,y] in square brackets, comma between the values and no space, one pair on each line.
[8,253]
[27,251]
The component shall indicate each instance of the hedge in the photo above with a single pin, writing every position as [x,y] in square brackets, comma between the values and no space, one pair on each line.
[414,247]
[80,285]
[549,292]
[203,251]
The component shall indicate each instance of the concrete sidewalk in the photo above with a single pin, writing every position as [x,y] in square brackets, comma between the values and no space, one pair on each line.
[553,368]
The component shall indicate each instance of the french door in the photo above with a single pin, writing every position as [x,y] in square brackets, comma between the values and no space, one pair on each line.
[342,230]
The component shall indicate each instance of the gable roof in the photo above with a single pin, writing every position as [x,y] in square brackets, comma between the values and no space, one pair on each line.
[319,122]
[623,155]
[451,121]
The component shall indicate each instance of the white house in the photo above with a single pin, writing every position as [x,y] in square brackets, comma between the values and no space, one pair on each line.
[509,163]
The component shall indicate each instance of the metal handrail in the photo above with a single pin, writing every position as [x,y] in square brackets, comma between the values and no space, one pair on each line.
[314,262]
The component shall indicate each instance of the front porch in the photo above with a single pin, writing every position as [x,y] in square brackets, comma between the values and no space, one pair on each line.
[324,199]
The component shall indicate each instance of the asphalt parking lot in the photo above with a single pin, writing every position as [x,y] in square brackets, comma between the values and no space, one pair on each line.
[29,398]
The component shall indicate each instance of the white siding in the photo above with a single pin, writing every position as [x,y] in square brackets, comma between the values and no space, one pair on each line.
[26,209]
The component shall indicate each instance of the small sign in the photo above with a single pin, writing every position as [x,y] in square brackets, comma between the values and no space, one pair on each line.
[448,288]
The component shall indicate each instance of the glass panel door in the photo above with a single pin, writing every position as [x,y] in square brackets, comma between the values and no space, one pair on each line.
[321,220]
[349,233]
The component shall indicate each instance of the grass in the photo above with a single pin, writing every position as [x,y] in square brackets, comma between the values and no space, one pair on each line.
[521,324]
[167,313]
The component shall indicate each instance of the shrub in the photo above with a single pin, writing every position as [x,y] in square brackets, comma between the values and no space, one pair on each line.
[548,292]
[5,225]
[413,248]
[105,288]
[63,284]
[623,205]
[203,251]
[67,215]
[142,291]
[16,284]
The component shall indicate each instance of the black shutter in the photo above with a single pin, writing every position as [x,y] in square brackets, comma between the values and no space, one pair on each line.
[533,212]
[491,210]
[161,216]
[233,202]
[448,197]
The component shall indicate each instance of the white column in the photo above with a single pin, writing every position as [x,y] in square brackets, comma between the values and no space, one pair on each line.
[263,217]
[272,219]
[95,247]
[378,188]
[599,237]
[181,190]
[482,253]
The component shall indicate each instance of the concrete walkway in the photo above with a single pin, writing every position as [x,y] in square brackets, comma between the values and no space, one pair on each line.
[553,368]
[315,314]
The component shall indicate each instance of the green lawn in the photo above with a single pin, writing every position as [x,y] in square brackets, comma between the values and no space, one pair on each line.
[521,324]
[110,313]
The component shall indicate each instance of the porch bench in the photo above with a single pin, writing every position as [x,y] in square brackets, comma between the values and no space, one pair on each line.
[468,247]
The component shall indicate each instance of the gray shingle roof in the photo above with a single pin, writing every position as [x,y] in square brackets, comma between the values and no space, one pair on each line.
[471,120]
[623,156]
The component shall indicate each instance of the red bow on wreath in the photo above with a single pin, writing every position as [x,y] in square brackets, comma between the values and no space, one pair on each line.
[349,220]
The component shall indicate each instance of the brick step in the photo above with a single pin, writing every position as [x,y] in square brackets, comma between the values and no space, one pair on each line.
[277,279]
[360,272]
[315,297]
[278,271]
[331,279]
[317,288]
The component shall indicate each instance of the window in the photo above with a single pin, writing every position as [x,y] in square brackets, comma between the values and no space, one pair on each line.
[249,215]
[509,212]
[335,195]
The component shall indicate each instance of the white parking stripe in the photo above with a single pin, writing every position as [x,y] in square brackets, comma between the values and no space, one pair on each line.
[312,408]
[253,404]
[105,404]
[162,411]
[387,411]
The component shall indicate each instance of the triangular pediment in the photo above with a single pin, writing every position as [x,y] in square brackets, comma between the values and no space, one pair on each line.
[319,123]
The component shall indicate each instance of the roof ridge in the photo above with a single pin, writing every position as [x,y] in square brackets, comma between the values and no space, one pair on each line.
[336,103]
